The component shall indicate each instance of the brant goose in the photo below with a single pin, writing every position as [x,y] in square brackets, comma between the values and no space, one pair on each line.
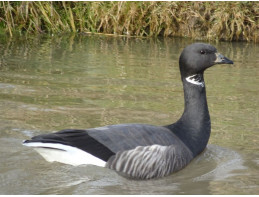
[144,151]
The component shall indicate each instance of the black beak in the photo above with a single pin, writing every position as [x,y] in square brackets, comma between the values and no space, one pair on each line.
[221,59]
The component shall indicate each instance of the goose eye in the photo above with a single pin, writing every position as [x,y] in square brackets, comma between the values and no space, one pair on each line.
[202,52]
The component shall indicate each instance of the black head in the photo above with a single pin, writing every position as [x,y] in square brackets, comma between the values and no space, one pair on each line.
[197,57]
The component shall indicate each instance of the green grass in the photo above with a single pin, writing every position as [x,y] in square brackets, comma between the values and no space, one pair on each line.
[231,21]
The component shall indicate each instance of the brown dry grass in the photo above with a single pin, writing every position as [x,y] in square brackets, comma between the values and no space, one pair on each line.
[200,20]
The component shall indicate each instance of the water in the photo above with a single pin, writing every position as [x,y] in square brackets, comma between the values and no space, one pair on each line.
[52,83]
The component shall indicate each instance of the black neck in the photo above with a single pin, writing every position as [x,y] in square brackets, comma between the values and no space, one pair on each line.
[193,128]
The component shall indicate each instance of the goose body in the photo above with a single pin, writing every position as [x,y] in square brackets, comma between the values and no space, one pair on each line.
[139,150]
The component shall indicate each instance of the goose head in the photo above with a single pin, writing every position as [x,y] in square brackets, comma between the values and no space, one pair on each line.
[197,57]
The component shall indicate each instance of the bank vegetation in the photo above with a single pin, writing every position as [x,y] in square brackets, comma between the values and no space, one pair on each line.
[230,21]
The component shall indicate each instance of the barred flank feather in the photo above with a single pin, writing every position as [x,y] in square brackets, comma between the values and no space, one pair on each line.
[146,162]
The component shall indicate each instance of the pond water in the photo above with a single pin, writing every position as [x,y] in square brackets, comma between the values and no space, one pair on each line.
[80,81]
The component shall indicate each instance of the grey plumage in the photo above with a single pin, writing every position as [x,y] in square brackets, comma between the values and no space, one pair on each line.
[128,136]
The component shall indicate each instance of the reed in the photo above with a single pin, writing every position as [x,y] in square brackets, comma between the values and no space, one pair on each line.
[200,20]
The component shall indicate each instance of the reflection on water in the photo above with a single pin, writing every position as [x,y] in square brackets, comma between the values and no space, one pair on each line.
[68,81]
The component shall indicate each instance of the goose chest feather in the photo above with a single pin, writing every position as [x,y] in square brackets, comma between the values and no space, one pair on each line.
[144,151]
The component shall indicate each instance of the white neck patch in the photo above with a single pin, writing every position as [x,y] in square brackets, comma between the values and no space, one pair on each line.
[196,80]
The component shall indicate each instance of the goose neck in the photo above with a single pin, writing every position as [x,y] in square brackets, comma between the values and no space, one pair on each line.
[193,128]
